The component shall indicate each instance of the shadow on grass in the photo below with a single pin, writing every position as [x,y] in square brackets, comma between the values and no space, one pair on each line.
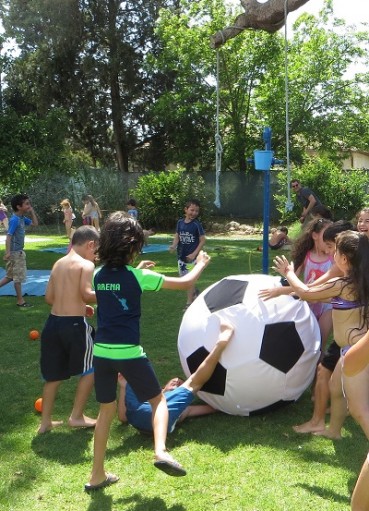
[102,502]
[325,494]
[68,448]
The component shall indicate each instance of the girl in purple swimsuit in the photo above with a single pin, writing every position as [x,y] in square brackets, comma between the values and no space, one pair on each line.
[349,296]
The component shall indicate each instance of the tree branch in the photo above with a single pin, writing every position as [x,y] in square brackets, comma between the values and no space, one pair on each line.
[268,16]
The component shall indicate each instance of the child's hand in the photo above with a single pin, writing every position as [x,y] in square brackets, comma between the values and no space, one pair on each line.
[143,265]
[267,294]
[121,380]
[282,266]
[90,311]
[172,248]
[203,257]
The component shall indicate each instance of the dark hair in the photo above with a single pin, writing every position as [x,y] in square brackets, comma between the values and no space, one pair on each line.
[121,240]
[192,202]
[18,200]
[355,246]
[321,211]
[89,198]
[305,242]
[132,202]
[284,229]
[331,232]
[83,234]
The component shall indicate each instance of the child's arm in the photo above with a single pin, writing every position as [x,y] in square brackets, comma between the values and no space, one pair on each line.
[332,273]
[311,294]
[357,357]
[33,217]
[50,291]
[187,281]
[192,257]
[87,293]
[175,242]
[274,292]
[122,416]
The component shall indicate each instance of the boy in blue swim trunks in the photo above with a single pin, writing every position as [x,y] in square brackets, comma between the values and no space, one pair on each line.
[117,348]
[67,338]
[179,394]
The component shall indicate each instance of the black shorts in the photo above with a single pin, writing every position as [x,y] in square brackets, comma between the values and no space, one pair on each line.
[331,356]
[138,372]
[66,347]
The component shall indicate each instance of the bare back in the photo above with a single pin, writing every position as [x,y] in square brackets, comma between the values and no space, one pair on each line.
[70,286]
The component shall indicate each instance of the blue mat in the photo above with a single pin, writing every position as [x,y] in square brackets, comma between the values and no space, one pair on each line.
[59,250]
[154,247]
[34,286]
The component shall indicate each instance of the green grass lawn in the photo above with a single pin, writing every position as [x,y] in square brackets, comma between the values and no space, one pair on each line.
[233,463]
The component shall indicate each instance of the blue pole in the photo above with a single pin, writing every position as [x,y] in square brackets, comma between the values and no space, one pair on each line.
[267,137]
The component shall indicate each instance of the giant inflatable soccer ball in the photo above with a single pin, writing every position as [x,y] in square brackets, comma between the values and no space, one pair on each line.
[272,357]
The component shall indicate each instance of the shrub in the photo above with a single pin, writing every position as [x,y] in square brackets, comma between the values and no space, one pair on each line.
[343,191]
[161,196]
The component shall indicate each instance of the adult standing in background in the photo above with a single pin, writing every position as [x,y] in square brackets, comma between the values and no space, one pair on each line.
[306,197]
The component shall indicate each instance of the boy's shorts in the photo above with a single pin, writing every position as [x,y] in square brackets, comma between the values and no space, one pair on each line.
[331,356]
[138,372]
[16,268]
[182,267]
[66,347]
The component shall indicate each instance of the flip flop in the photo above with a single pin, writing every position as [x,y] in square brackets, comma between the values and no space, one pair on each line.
[171,468]
[110,479]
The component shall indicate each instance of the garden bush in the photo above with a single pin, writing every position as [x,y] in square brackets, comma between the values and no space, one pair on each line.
[343,191]
[161,197]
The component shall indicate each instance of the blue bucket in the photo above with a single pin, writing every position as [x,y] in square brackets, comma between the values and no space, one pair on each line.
[263,159]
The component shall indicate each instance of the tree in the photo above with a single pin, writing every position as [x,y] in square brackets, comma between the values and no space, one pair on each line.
[269,16]
[88,57]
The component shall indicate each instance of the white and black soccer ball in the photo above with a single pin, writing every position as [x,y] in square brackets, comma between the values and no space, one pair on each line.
[273,355]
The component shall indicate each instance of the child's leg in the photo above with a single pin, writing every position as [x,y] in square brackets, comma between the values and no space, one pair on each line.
[338,405]
[101,435]
[326,326]
[18,291]
[360,496]
[48,400]
[84,388]
[163,459]
[357,393]
[321,397]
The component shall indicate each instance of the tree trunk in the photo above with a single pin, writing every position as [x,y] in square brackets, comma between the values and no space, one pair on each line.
[269,16]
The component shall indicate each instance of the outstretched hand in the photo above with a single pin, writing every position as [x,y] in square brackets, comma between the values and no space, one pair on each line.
[271,292]
[144,265]
[203,257]
[282,266]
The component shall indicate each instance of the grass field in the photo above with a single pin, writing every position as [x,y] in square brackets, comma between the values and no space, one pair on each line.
[233,463]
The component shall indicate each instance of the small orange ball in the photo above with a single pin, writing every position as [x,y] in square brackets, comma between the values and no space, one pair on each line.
[38,405]
[34,335]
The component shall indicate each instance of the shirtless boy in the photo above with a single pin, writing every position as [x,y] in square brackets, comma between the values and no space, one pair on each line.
[66,340]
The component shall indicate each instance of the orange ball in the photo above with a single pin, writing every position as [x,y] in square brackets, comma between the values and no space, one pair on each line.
[34,335]
[38,405]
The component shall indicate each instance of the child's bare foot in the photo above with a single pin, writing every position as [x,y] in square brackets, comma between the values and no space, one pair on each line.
[327,433]
[83,422]
[309,427]
[44,428]
[226,333]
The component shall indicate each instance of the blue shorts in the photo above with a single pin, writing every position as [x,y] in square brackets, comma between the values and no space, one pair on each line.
[138,372]
[139,413]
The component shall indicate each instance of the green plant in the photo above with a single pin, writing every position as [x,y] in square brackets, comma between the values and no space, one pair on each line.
[162,196]
[343,191]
